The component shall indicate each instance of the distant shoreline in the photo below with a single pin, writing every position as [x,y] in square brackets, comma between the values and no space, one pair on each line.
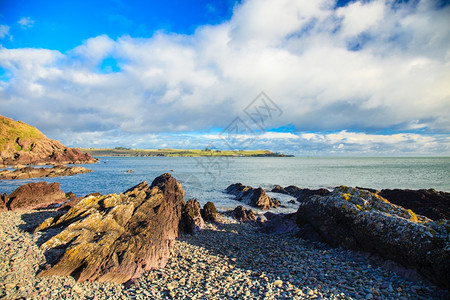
[128,152]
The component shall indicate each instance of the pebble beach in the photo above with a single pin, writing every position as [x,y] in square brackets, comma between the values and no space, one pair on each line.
[227,260]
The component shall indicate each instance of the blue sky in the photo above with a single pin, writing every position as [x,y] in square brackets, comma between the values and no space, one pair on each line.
[339,78]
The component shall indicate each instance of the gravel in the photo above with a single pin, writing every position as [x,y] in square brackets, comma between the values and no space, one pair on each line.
[229,260]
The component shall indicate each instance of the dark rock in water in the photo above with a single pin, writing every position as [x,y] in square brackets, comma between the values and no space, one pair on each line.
[360,220]
[279,223]
[35,195]
[368,189]
[30,172]
[116,238]
[191,218]
[209,212]
[299,193]
[279,189]
[430,203]
[244,215]
[255,197]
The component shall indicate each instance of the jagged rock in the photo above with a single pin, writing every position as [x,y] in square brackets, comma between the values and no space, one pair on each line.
[430,203]
[360,220]
[243,215]
[30,172]
[279,189]
[22,144]
[191,218]
[35,195]
[209,212]
[114,237]
[3,201]
[251,196]
[299,193]
[279,223]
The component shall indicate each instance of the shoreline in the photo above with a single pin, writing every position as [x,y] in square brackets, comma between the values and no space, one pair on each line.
[223,261]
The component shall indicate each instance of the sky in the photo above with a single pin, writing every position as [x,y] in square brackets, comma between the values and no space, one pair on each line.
[309,78]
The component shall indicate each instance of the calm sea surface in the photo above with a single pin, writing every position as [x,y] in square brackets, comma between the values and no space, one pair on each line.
[206,178]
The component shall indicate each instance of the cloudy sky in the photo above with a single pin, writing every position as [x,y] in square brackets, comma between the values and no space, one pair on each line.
[303,77]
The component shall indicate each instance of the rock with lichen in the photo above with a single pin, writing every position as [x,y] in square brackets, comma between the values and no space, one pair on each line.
[30,172]
[209,212]
[117,237]
[361,220]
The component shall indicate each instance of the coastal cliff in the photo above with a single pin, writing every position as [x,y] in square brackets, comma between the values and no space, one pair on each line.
[22,144]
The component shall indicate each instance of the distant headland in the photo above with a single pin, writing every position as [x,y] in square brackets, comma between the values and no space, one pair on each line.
[122,151]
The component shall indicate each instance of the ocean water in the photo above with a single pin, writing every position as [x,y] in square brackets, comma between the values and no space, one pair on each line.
[206,178]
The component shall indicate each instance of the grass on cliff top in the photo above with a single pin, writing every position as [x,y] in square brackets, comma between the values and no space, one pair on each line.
[173,152]
[10,130]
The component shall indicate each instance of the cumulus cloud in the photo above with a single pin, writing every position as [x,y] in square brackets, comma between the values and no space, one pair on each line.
[4,31]
[26,22]
[364,67]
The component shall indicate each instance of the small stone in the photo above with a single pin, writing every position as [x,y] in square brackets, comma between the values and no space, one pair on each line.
[369,296]
[77,289]
[278,283]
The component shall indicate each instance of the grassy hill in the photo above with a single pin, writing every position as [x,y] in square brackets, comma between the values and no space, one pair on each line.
[23,144]
[12,130]
[175,152]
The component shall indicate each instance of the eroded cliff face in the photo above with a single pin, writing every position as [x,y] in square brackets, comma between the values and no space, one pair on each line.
[114,237]
[22,144]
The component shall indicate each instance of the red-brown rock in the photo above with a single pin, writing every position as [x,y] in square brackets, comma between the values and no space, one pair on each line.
[114,237]
[191,218]
[244,215]
[3,201]
[35,195]
[255,197]
[22,144]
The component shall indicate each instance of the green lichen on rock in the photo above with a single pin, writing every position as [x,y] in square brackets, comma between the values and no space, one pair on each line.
[361,220]
[117,237]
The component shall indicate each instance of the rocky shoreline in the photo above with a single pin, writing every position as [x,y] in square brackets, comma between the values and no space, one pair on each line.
[147,242]
[222,261]
[30,172]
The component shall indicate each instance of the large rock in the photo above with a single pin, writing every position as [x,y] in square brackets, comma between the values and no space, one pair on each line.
[116,238]
[22,144]
[279,223]
[35,195]
[191,218]
[255,197]
[360,220]
[30,172]
[244,215]
[209,212]
[299,193]
[430,203]
[3,201]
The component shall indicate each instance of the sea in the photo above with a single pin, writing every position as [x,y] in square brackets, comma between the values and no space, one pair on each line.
[206,178]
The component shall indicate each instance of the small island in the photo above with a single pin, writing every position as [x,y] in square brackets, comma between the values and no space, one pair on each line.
[123,151]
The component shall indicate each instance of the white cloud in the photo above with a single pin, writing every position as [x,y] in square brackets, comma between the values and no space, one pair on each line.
[365,67]
[4,31]
[26,22]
